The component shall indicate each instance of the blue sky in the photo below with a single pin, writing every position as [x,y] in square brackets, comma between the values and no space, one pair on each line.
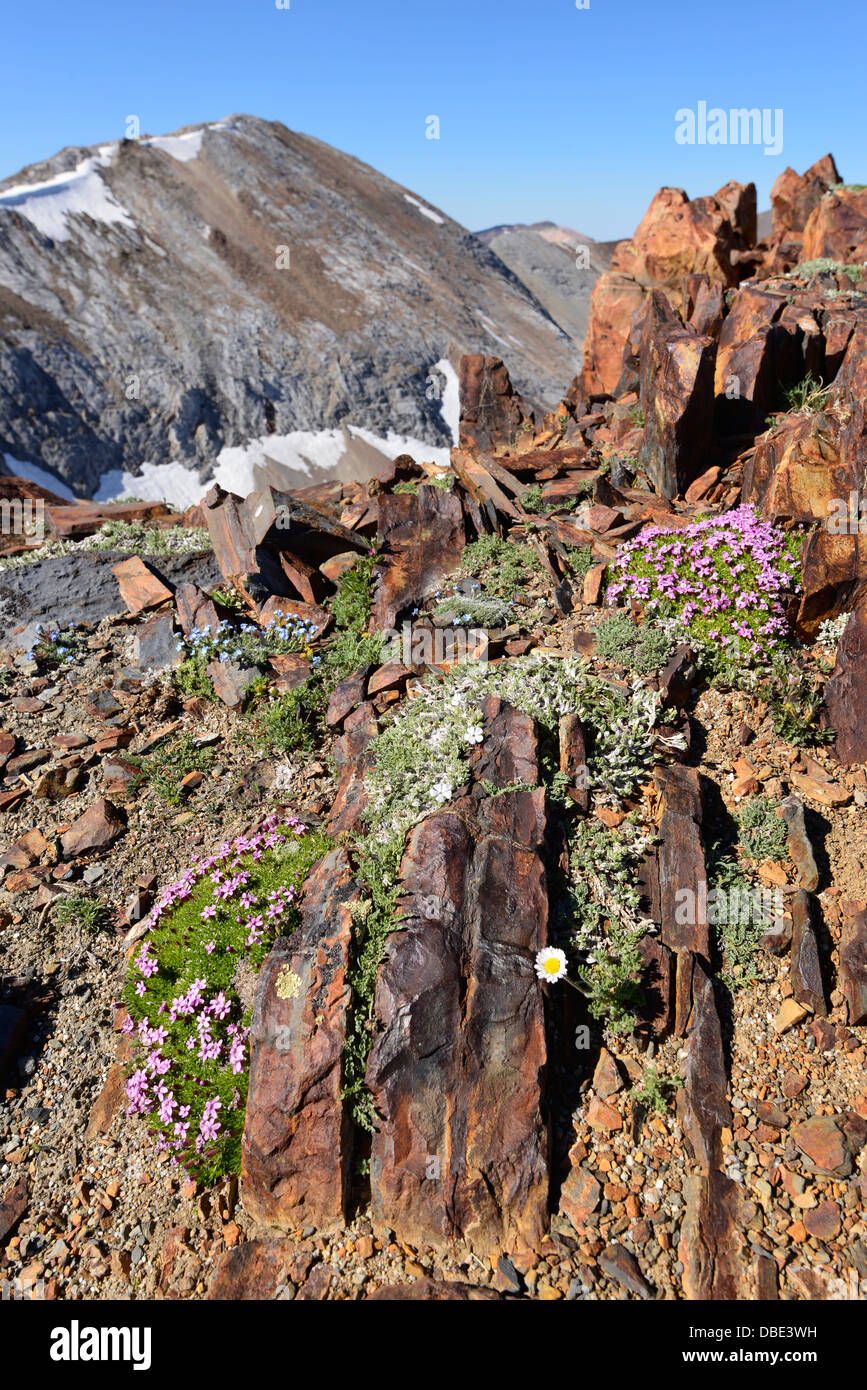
[545,110]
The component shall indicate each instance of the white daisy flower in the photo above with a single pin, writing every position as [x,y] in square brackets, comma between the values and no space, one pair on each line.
[551,965]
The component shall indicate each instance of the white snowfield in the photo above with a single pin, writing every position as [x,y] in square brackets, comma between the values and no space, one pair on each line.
[50,204]
[302,457]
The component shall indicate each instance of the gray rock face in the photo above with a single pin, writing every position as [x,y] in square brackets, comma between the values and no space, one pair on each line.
[231,282]
[81,589]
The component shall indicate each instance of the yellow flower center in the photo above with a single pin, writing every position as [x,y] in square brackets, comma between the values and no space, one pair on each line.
[551,966]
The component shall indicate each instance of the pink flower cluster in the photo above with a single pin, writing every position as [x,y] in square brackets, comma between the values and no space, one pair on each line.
[212,1037]
[726,569]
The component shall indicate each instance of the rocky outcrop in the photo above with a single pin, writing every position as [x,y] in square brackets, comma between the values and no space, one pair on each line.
[677,376]
[297,1136]
[846,691]
[493,417]
[423,536]
[458,1062]
[795,196]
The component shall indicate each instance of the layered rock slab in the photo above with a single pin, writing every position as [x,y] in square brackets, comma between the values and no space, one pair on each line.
[297,1136]
[457,1069]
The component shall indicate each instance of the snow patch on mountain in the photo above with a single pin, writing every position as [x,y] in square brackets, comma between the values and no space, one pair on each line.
[78,192]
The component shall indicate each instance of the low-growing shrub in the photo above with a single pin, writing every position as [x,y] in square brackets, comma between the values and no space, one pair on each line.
[762,831]
[644,648]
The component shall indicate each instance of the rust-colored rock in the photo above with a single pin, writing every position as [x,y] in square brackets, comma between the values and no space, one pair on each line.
[353,759]
[791,810]
[296,1148]
[846,690]
[254,1270]
[195,609]
[139,586]
[346,696]
[492,414]
[794,196]
[96,829]
[852,977]
[432,1291]
[423,538]
[837,227]
[677,237]
[682,871]
[703,1102]
[825,1144]
[805,969]
[711,1245]
[613,301]
[579,1196]
[457,1067]
[677,396]
[107,1103]
[803,467]
[231,681]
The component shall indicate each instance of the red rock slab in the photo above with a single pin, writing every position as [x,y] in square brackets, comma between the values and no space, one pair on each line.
[253,1270]
[7,746]
[573,760]
[282,521]
[613,301]
[432,1291]
[682,870]
[457,1066]
[233,547]
[711,1246]
[423,537]
[677,397]
[97,828]
[353,759]
[492,414]
[13,1205]
[846,691]
[231,681]
[800,850]
[837,227]
[306,580]
[139,587]
[277,607]
[296,1147]
[346,696]
[195,609]
[388,677]
[25,851]
[805,969]
[79,519]
[703,1103]
[107,1104]
[853,963]
[794,196]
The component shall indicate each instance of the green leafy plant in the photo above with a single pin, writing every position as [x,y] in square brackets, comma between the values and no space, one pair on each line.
[655,1092]
[763,833]
[807,396]
[80,909]
[795,704]
[165,768]
[504,567]
[644,649]
[58,646]
[278,723]
[480,611]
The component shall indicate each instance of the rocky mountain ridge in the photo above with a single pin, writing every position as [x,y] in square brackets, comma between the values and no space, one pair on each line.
[164,298]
